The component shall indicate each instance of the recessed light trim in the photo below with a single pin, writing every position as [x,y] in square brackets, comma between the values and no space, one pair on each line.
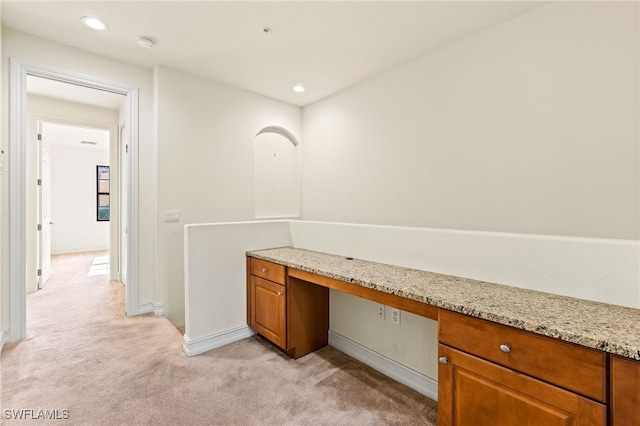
[94,23]
[299,88]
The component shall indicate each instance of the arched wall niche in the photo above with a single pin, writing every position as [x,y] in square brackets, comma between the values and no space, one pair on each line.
[279,131]
[276,173]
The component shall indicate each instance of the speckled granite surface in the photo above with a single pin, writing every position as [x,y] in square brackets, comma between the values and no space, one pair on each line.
[609,328]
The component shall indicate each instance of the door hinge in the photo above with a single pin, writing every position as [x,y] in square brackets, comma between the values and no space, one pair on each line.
[39,272]
[39,182]
[39,136]
[126,148]
[39,227]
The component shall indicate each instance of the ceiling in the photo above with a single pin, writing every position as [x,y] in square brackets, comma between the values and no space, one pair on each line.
[76,137]
[263,46]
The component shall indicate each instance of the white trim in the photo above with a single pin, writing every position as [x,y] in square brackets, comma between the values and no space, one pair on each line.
[405,375]
[246,222]
[204,344]
[17,213]
[158,309]
[145,307]
[151,307]
[80,250]
[4,338]
[566,266]
[513,235]
[131,301]
[17,201]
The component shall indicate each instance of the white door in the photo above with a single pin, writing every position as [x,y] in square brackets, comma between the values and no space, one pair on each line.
[123,160]
[44,209]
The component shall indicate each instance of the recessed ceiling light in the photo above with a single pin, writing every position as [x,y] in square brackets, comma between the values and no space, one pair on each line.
[146,42]
[94,23]
[298,88]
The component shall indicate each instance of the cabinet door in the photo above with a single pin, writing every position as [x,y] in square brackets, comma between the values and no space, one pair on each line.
[625,392]
[268,310]
[475,392]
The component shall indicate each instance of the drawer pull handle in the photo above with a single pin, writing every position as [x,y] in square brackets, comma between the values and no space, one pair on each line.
[264,269]
[280,293]
[505,348]
[443,360]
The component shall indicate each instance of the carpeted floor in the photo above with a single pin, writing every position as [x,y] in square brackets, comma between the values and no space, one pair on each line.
[86,363]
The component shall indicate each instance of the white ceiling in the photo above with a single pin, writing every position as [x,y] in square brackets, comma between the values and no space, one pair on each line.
[74,136]
[324,45]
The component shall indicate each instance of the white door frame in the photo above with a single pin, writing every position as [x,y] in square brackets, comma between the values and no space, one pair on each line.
[122,221]
[17,186]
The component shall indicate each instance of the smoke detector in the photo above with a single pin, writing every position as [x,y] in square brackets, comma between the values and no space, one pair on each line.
[146,42]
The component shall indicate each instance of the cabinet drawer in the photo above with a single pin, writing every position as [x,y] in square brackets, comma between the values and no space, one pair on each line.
[269,271]
[572,367]
[473,391]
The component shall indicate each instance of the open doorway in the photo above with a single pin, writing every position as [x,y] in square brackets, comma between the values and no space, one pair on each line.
[72,159]
[20,170]
[19,137]
[74,196]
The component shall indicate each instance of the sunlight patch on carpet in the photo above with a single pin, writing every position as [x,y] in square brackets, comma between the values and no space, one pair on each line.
[100,266]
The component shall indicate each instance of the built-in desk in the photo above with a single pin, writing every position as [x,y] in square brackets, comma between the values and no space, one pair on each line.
[527,357]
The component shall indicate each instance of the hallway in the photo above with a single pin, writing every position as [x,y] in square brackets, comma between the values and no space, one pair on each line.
[78,293]
[86,363]
[82,355]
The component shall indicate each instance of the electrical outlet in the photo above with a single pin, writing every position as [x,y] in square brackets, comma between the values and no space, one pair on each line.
[171,216]
[381,311]
[395,316]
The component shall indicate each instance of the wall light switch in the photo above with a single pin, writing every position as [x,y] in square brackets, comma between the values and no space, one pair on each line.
[171,216]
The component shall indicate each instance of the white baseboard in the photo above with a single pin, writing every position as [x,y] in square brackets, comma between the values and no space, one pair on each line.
[72,250]
[204,344]
[405,375]
[158,309]
[151,307]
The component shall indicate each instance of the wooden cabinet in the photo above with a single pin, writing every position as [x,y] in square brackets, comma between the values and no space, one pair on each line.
[266,307]
[291,313]
[268,315]
[495,375]
[625,391]
[490,374]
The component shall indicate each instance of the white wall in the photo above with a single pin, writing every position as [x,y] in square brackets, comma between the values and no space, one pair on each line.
[73,200]
[39,51]
[205,137]
[569,266]
[530,126]
[215,278]
[276,176]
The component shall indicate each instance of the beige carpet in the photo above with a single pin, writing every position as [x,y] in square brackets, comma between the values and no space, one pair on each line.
[84,356]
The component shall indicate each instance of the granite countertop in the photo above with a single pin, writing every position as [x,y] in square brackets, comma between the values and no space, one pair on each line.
[606,327]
